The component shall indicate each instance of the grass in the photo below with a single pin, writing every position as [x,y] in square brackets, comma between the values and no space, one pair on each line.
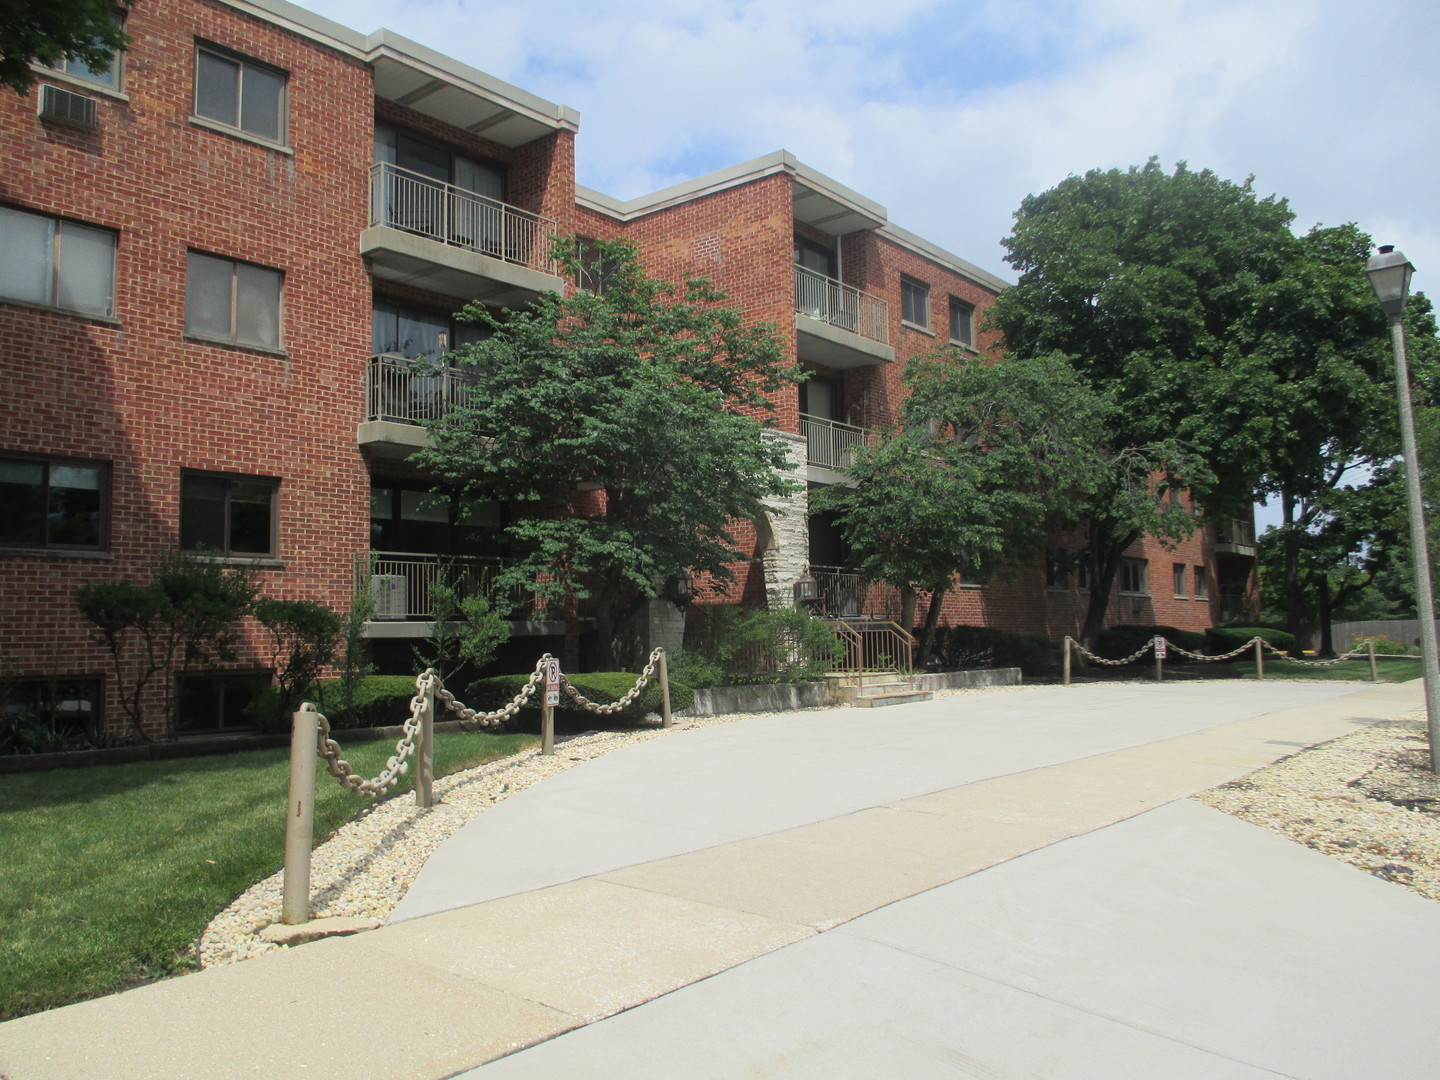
[111,873]
[1390,669]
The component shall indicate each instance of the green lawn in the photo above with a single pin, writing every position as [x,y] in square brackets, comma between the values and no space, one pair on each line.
[1390,669]
[111,873]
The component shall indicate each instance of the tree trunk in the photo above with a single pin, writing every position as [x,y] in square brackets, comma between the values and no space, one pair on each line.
[908,597]
[932,620]
[1327,645]
[1105,558]
[1291,588]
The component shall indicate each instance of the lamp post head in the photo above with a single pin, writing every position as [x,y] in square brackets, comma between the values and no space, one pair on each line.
[1389,273]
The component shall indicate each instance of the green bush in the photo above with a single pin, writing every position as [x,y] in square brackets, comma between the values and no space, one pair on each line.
[379,701]
[962,647]
[1384,646]
[1224,639]
[1117,641]
[758,645]
[601,687]
[696,670]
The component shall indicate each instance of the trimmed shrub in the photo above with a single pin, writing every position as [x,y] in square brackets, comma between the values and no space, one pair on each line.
[962,647]
[695,670]
[758,645]
[1384,646]
[1117,641]
[1223,639]
[379,701]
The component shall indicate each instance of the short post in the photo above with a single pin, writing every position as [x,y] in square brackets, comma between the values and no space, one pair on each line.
[1374,671]
[547,707]
[1065,663]
[425,751]
[664,691]
[1259,658]
[1159,645]
[300,815]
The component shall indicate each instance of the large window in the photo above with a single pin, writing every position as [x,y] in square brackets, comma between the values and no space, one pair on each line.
[56,263]
[1135,577]
[232,301]
[218,701]
[52,503]
[1179,572]
[962,322]
[1202,583]
[227,515]
[64,706]
[1058,563]
[108,76]
[240,93]
[915,302]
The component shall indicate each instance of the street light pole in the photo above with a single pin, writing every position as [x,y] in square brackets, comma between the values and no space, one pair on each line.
[1389,273]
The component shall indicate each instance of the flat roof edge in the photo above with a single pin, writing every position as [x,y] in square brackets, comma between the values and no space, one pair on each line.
[935,253]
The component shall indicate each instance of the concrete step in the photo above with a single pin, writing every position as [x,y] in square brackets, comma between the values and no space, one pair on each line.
[877,701]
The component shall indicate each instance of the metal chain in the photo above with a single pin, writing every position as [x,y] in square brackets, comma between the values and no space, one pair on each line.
[1310,663]
[1113,663]
[1206,656]
[395,767]
[492,720]
[615,706]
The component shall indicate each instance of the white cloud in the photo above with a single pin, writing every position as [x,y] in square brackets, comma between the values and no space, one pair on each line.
[950,112]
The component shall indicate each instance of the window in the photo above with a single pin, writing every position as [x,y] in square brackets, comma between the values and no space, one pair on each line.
[227,515]
[962,322]
[65,706]
[596,269]
[915,302]
[240,94]
[1057,568]
[1202,583]
[52,503]
[218,701]
[1179,581]
[56,263]
[1084,573]
[78,69]
[1135,577]
[231,301]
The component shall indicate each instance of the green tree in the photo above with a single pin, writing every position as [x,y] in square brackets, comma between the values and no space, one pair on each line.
[49,31]
[303,638]
[186,612]
[623,427]
[464,630]
[1141,278]
[987,459]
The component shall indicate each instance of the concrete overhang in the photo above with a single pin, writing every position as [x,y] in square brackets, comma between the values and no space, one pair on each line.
[411,259]
[822,343]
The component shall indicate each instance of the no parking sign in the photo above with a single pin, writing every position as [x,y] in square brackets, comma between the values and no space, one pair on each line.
[552,681]
[1159,648]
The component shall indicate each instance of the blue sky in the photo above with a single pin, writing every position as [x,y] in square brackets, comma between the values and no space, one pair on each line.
[949,112]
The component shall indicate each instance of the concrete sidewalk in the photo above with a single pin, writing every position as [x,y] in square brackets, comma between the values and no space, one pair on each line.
[799,896]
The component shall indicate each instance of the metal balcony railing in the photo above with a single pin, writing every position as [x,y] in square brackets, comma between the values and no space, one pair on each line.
[829,443]
[400,583]
[402,199]
[842,306]
[394,392]
[1236,531]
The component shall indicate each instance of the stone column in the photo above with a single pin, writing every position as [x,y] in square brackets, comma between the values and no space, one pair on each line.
[786,532]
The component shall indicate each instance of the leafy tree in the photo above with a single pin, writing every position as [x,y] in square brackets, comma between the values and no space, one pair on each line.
[1141,278]
[49,31]
[464,630]
[186,612]
[303,637]
[623,428]
[354,653]
[987,459]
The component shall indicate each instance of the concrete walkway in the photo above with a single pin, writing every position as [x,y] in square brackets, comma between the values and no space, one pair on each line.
[800,896]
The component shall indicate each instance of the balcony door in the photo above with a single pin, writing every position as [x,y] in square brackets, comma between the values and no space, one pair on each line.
[468,212]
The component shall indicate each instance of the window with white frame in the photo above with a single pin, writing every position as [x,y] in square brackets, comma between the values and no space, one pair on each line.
[107,76]
[962,322]
[56,263]
[1134,577]
[1179,572]
[240,93]
[915,302]
[233,302]
[227,515]
[1202,583]
[57,503]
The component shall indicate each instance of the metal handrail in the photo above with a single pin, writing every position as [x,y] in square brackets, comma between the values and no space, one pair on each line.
[401,199]
[841,305]
[399,582]
[875,646]
[830,444]
[396,391]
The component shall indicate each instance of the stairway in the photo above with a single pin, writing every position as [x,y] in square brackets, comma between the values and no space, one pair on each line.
[876,689]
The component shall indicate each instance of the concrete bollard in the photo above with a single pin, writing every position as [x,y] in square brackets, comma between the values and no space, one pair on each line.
[1259,659]
[425,752]
[1065,663]
[1374,671]
[664,691]
[300,815]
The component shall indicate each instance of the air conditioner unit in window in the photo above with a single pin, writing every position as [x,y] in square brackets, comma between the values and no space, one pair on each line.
[67,107]
[389,593]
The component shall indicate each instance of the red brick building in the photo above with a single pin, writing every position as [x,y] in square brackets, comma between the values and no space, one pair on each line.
[218,254]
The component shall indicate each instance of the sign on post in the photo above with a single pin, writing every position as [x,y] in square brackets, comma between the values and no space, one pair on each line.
[547,710]
[552,681]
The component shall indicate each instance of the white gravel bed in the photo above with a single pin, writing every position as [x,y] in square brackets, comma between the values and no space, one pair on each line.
[367,866]
[1368,798]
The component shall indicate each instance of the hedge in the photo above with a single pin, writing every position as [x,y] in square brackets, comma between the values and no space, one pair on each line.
[1224,639]
[1125,639]
[962,647]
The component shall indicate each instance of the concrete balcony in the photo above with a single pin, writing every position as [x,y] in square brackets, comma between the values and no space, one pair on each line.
[1236,536]
[398,401]
[839,326]
[830,448]
[448,240]
[400,584]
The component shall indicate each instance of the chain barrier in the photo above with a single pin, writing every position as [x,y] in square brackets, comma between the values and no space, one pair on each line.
[615,706]
[492,720]
[395,767]
[1218,656]
[1136,655]
[1249,645]
[1308,663]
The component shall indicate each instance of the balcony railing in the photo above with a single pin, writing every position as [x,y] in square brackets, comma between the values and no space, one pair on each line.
[841,306]
[1238,531]
[405,200]
[830,444]
[395,393]
[400,583]
[844,592]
